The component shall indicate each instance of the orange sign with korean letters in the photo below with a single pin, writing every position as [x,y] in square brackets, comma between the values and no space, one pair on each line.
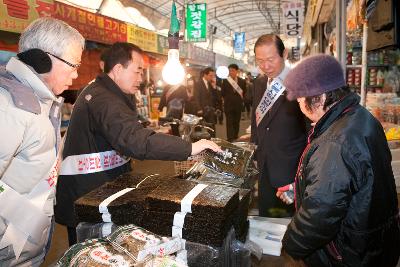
[92,26]
[15,15]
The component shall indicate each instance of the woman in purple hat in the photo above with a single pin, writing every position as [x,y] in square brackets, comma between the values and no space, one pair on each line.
[345,195]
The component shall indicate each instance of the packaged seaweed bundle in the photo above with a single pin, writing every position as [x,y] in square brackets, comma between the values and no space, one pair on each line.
[94,253]
[232,162]
[164,262]
[121,201]
[139,243]
[211,202]
[202,174]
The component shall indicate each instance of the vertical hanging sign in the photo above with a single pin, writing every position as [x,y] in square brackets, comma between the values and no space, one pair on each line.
[239,42]
[196,22]
[293,18]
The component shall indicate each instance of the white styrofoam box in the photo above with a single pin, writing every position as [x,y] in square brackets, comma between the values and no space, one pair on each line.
[396,167]
[395,154]
[397,180]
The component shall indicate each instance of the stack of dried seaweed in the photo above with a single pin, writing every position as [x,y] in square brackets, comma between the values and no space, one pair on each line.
[211,216]
[127,208]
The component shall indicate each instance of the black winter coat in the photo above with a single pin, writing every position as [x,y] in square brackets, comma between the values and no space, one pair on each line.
[281,137]
[104,119]
[347,211]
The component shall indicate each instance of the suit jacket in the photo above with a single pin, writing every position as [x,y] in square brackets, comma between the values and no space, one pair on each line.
[204,97]
[232,100]
[281,137]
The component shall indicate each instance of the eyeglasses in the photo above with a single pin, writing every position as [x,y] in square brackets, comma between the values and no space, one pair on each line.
[75,66]
[263,61]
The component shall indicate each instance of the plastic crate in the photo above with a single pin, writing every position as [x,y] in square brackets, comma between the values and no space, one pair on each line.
[181,167]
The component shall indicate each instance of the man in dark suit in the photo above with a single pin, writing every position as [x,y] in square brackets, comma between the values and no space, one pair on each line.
[205,96]
[278,126]
[232,90]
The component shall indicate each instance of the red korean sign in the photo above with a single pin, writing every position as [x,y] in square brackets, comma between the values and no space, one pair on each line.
[15,15]
[92,26]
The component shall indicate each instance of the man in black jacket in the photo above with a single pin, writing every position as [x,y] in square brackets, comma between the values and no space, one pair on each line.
[346,202]
[233,90]
[205,96]
[277,126]
[104,132]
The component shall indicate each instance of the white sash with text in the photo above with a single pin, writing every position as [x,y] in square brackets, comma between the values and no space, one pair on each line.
[270,96]
[91,163]
[235,86]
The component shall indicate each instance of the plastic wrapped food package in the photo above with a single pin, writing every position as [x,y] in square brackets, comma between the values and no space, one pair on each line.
[94,253]
[232,162]
[139,243]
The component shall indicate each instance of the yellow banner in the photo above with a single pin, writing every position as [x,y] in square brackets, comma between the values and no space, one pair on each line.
[145,39]
[15,15]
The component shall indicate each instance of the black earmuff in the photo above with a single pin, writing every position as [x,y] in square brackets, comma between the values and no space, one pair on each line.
[39,60]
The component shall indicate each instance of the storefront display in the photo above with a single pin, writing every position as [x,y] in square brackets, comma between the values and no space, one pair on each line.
[168,206]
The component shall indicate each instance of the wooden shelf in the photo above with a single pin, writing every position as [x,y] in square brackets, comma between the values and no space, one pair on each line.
[378,65]
[353,66]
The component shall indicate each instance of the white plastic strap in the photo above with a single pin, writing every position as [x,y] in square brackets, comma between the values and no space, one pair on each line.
[103,205]
[179,219]
[186,202]
[176,231]
[91,163]
[106,229]
[181,256]
[106,217]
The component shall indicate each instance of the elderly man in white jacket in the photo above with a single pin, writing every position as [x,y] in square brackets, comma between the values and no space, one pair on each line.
[50,53]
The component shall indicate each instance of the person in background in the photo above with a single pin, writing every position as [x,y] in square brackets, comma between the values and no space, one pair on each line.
[347,211]
[232,90]
[104,132]
[205,97]
[190,105]
[248,97]
[277,126]
[216,90]
[173,99]
[49,55]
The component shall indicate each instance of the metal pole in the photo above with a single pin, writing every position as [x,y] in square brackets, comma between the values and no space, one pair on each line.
[341,32]
[364,64]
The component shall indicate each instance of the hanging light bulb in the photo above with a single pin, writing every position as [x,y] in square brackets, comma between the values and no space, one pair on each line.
[173,72]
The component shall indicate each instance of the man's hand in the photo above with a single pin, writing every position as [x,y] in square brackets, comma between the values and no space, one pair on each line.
[285,197]
[203,144]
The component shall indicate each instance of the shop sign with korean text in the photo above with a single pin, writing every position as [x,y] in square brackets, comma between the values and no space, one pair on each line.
[239,42]
[293,18]
[92,26]
[162,44]
[145,39]
[15,15]
[196,22]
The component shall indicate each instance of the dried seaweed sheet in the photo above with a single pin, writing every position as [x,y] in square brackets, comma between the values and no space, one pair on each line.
[232,162]
[126,209]
[214,202]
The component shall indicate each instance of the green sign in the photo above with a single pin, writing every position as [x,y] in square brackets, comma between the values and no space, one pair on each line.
[196,22]
[1,189]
